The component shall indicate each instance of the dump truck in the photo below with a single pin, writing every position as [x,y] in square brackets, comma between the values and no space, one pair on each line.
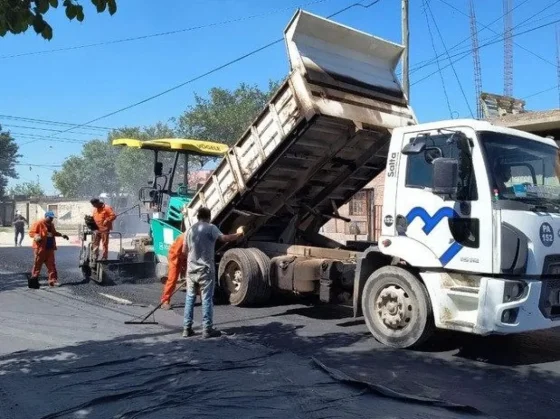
[471,215]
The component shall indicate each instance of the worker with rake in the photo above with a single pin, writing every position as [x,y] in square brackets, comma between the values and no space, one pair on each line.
[195,249]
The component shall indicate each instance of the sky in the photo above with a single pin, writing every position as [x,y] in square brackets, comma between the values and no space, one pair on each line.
[82,83]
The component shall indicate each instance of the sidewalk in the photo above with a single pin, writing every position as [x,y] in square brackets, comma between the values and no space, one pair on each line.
[61,356]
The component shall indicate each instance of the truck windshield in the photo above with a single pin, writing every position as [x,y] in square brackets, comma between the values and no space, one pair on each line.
[522,169]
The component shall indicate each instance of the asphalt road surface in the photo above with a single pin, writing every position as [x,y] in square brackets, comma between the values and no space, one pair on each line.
[506,377]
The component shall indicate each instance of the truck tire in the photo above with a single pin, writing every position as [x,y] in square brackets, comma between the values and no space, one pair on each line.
[263,261]
[397,308]
[240,277]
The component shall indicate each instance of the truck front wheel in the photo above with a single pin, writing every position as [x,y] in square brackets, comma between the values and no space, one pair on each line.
[397,308]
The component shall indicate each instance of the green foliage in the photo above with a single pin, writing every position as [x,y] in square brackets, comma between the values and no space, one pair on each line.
[91,173]
[8,159]
[225,114]
[16,16]
[223,117]
[28,189]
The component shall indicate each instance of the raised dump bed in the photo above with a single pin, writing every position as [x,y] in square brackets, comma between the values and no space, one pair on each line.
[322,137]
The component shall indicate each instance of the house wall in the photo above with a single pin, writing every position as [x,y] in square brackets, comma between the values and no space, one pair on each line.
[364,209]
[70,213]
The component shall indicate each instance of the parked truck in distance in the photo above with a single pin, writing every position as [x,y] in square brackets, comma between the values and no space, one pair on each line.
[471,212]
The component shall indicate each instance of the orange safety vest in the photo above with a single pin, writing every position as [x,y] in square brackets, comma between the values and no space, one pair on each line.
[105,213]
[42,229]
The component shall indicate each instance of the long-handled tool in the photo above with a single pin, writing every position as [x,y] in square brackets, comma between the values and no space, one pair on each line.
[151,313]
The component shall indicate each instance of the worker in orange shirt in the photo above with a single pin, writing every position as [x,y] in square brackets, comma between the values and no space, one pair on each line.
[177,264]
[43,233]
[103,215]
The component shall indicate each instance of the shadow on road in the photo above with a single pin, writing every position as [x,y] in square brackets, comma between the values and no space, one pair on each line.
[500,391]
[162,375]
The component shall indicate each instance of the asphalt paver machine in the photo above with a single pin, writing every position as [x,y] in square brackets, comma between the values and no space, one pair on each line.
[128,264]
[162,201]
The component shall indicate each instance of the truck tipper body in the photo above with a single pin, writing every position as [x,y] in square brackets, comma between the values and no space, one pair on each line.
[461,248]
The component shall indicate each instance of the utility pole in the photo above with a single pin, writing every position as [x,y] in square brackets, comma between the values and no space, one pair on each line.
[406,43]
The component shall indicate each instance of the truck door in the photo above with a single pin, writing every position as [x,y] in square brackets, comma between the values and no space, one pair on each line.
[456,230]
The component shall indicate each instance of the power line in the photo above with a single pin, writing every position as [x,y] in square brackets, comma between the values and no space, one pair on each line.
[38,165]
[46,129]
[467,53]
[496,33]
[435,52]
[212,71]
[499,38]
[159,34]
[449,58]
[556,86]
[61,139]
[50,122]
[429,61]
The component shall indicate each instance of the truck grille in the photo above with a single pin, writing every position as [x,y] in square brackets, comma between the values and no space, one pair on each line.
[549,302]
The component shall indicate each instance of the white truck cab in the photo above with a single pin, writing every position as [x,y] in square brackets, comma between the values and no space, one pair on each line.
[474,211]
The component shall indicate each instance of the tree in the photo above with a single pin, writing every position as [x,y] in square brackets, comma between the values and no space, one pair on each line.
[225,114]
[27,189]
[91,173]
[223,117]
[8,159]
[16,16]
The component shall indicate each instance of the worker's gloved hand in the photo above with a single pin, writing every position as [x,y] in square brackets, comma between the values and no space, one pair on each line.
[240,230]
[37,238]
[65,237]
[105,222]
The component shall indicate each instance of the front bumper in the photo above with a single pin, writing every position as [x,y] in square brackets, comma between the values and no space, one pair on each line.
[538,307]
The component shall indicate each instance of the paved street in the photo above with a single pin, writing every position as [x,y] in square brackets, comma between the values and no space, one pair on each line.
[505,377]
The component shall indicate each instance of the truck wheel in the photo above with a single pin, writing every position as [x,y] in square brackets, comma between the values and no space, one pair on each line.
[263,261]
[240,277]
[397,308]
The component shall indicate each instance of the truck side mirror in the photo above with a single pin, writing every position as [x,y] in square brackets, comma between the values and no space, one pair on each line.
[416,146]
[445,176]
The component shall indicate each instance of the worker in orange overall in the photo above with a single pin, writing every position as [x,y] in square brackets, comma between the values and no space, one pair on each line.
[43,233]
[103,215]
[177,264]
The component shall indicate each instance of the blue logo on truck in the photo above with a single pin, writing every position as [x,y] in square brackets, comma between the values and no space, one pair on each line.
[431,222]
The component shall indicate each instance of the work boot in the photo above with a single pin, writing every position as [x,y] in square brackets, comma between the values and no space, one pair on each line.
[211,333]
[33,283]
[54,284]
[166,306]
[188,332]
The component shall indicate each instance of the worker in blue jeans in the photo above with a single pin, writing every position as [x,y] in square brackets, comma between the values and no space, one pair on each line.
[199,248]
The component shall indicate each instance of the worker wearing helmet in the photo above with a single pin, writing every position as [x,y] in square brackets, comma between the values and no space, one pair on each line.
[103,215]
[177,265]
[43,233]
